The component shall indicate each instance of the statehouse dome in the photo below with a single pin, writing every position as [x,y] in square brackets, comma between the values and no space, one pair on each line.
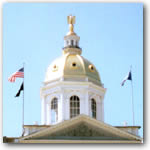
[71,66]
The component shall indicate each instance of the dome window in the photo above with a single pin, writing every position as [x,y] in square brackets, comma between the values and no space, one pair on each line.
[55,68]
[91,67]
[74,64]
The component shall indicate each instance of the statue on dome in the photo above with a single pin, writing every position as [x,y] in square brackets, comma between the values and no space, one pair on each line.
[71,22]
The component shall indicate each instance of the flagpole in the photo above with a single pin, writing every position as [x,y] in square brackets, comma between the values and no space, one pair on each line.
[23,104]
[132,99]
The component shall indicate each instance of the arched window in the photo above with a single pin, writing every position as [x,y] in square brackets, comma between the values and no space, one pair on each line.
[74,106]
[54,110]
[93,108]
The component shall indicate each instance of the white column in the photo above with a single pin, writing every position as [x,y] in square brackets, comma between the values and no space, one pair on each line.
[67,109]
[98,110]
[48,119]
[65,43]
[69,42]
[102,110]
[74,42]
[60,107]
[62,97]
[87,103]
[90,109]
[82,105]
[43,112]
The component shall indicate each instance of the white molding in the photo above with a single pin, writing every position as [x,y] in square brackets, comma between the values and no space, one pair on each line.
[75,84]
[80,141]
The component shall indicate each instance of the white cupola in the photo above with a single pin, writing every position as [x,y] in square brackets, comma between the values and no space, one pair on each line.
[72,85]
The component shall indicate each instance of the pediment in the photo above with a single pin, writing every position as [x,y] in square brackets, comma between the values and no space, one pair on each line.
[81,131]
[81,127]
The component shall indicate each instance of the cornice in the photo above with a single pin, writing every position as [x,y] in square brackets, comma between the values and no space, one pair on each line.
[80,141]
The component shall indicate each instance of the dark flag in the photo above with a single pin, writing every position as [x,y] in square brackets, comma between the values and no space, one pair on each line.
[128,77]
[17,74]
[21,89]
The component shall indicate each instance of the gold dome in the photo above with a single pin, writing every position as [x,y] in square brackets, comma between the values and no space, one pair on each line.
[72,67]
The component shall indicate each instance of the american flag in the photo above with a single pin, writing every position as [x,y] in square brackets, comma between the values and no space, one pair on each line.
[17,74]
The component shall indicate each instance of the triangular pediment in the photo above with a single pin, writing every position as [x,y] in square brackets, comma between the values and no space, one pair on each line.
[81,127]
[81,131]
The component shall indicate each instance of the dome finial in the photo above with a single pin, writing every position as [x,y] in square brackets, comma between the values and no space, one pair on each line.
[71,40]
[71,22]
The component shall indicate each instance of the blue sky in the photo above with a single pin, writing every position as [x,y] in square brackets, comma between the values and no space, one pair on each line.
[111,37]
